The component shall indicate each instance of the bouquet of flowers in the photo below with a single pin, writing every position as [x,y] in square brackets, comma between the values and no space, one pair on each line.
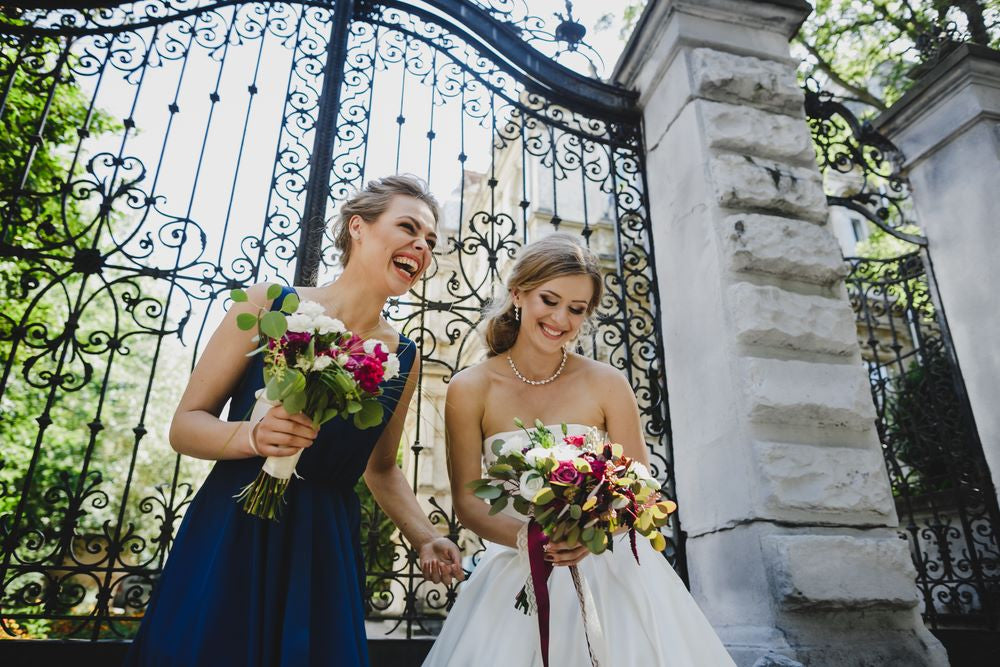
[313,365]
[578,489]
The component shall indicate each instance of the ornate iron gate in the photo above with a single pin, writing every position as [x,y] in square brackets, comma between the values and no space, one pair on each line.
[159,154]
[940,481]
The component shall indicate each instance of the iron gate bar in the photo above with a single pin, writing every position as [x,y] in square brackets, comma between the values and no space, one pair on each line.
[907,347]
[313,223]
[560,129]
[472,23]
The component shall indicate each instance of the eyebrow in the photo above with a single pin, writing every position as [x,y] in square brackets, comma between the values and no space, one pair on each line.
[559,296]
[431,234]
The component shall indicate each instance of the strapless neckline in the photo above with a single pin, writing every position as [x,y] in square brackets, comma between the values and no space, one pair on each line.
[555,428]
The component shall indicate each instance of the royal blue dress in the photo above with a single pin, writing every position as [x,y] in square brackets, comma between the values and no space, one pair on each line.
[239,590]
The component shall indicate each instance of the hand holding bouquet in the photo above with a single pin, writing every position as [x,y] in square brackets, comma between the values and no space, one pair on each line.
[314,366]
[575,489]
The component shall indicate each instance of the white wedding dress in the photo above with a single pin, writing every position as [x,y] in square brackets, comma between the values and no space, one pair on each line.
[647,617]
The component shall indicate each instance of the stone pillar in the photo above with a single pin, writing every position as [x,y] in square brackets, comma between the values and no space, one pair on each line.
[948,127]
[793,548]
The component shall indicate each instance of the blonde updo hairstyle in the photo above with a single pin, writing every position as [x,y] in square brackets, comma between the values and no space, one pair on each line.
[373,200]
[553,256]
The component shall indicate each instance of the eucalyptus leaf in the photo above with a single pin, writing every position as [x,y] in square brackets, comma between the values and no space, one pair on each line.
[290,303]
[294,402]
[353,406]
[273,292]
[496,446]
[498,505]
[488,492]
[273,324]
[238,296]
[246,321]
[544,497]
[369,415]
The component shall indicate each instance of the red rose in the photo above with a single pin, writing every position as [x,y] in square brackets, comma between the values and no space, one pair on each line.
[566,473]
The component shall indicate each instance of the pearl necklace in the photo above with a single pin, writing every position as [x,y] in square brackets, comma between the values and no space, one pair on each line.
[558,372]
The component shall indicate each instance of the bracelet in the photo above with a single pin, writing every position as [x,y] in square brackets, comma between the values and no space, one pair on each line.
[253,443]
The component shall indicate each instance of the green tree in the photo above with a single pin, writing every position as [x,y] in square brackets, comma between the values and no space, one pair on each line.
[48,214]
[872,49]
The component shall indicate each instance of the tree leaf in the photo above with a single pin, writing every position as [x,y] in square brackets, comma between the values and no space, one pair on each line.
[246,321]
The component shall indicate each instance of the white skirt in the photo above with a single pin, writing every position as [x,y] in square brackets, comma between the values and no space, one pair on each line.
[647,615]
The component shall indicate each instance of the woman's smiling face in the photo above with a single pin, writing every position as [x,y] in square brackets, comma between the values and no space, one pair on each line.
[553,312]
[396,247]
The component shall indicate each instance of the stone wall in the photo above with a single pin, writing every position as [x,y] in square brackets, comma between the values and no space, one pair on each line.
[792,541]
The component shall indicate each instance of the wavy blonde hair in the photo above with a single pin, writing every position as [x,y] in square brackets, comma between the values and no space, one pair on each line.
[373,200]
[558,254]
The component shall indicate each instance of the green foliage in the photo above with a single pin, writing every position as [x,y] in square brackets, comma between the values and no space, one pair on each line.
[923,421]
[869,49]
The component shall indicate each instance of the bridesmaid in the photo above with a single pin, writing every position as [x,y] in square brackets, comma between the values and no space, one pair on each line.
[238,590]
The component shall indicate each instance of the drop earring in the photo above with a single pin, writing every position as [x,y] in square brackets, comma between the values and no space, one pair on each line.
[517,313]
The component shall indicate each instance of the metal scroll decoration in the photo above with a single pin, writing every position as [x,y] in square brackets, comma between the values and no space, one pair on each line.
[161,153]
[943,492]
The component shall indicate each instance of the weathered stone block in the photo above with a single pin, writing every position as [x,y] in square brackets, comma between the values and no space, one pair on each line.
[829,572]
[847,484]
[743,129]
[727,77]
[783,247]
[807,394]
[774,317]
[742,181]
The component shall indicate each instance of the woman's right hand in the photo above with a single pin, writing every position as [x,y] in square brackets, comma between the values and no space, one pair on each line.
[282,434]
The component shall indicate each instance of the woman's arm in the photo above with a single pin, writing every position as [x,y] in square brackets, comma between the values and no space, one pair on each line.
[621,414]
[196,429]
[440,559]
[463,417]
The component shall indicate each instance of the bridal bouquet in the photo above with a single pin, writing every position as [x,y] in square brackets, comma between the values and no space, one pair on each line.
[313,365]
[578,489]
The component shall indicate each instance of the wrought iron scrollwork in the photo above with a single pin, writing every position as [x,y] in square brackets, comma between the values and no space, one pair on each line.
[189,134]
[940,482]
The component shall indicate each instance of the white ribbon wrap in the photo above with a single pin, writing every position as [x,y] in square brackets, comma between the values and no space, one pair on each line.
[279,467]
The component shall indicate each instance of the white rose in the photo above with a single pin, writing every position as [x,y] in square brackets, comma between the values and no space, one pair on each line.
[321,362]
[310,309]
[300,322]
[371,344]
[512,446]
[565,452]
[391,367]
[328,325]
[531,484]
[535,453]
[641,471]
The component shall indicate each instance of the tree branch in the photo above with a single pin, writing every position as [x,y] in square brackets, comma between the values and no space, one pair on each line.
[857,91]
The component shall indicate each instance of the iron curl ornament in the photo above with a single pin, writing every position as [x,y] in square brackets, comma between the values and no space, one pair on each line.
[177,149]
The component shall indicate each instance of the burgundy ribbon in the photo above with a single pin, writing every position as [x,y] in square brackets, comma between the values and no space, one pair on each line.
[540,571]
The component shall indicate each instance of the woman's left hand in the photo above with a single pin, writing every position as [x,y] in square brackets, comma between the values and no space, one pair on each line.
[562,554]
[441,561]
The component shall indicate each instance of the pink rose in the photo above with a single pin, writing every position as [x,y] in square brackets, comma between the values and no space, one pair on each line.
[566,473]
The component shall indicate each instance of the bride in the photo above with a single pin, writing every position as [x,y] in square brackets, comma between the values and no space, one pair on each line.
[646,615]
